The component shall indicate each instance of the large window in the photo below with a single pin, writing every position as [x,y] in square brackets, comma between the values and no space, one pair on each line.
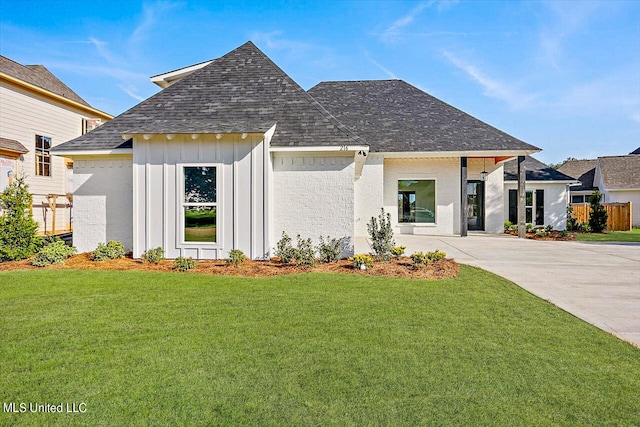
[417,201]
[529,206]
[199,204]
[43,158]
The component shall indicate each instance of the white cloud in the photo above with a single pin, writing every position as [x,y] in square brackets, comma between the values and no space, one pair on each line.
[132,92]
[380,67]
[393,31]
[274,40]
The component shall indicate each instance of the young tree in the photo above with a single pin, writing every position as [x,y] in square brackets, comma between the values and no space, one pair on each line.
[597,214]
[381,234]
[18,238]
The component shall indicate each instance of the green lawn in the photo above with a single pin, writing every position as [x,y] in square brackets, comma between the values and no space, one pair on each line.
[611,236]
[311,349]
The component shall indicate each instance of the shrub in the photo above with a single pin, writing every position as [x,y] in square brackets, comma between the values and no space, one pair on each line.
[565,233]
[507,225]
[420,259]
[331,249]
[184,264]
[18,230]
[305,254]
[112,250]
[360,260]
[597,214]
[381,235]
[285,250]
[548,228]
[54,253]
[153,256]
[572,223]
[398,251]
[529,227]
[236,257]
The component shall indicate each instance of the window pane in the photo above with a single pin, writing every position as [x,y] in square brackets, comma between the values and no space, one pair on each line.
[529,198]
[417,201]
[199,223]
[200,184]
[577,199]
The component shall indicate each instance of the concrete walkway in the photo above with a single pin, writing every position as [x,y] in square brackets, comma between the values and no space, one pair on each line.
[599,283]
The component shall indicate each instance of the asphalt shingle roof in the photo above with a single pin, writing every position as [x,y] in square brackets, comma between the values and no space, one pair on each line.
[582,170]
[38,75]
[535,170]
[243,91]
[394,116]
[12,145]
[620,172]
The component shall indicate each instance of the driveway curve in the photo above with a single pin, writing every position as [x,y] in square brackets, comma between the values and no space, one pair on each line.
[599,283]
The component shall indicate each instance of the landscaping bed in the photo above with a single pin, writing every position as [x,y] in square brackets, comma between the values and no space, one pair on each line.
[400,267]
[547,235]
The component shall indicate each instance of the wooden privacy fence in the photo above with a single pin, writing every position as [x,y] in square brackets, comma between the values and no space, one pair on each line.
[618,215]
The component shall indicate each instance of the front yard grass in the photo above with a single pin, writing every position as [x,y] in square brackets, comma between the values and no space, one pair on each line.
[144,348]
[611,236]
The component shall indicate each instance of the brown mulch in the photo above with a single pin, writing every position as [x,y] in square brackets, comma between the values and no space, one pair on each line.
[401,267]
[554,235]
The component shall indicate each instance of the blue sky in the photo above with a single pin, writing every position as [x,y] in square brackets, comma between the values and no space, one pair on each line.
[561,75]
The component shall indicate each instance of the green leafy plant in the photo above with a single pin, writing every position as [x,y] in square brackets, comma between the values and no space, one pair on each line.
[18,230]
[112,250]
[529,227]
[305,253]
[184,264]
[420,259]
[236,257]
[53,253]
[331,248]
[597,214]
[381,234]
[153,256]
[362,260]
[398,251]
[572,223]
[285,250]
[507,225]
[548,228]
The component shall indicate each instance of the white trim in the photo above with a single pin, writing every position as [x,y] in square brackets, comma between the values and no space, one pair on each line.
[621,189]
[435,200]
[71,153]
[321,148]
[428,154]
[166,79]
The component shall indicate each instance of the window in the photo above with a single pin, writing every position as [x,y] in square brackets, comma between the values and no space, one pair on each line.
[417,201]
[577,199]
[529,206]
[199,204]
[43,158]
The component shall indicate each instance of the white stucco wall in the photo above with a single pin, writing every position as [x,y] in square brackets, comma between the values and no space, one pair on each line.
[313,195]
[157,194]
[102,202]
[624,196]
[555,201]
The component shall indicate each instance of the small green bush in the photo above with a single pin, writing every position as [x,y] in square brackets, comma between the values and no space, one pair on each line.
[54,253]
[18,230]
[507,225]
[331,249]
[285,250]
[305,252]
[597,213]
[153,256]
[421,259]
[398,251]
[362,259]
[112,250]
[565,233]
[184,264]
[548,228]
[236,257]
[381,234]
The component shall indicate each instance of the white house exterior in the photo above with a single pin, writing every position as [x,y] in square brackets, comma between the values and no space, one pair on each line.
[37,113]
[233,152]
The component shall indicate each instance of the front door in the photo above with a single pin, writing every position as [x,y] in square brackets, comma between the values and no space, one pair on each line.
[475,205]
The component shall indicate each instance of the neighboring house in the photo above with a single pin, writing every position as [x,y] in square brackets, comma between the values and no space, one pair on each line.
[232,152]
[546,197]
[37,113]
[617,178]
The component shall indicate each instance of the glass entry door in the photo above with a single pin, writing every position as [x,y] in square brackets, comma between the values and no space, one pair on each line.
[475,205]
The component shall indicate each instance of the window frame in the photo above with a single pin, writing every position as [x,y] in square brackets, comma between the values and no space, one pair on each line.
[42,156]
[435,202]
[181,204]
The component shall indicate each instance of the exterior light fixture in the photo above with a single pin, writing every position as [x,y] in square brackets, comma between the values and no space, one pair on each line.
[484,174]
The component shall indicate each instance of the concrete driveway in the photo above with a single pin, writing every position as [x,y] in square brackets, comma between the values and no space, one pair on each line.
[599,283]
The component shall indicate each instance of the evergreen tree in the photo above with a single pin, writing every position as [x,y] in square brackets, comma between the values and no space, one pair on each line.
[18,230]
[597,214]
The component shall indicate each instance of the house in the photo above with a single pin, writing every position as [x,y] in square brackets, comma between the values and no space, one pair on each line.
[617,178]
[546,193]
[232,152]
[37,113]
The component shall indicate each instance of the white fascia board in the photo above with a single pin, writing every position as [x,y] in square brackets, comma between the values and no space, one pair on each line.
[495,153]
[323,148]
[166,79]
[622,189]
[84,153]
[545,182]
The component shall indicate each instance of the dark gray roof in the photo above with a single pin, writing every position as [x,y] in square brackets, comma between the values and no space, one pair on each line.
[38,75]
[12,145]
[620,172]
[243,91]
[636,151]
[535,170]
[392,116]
[582,170]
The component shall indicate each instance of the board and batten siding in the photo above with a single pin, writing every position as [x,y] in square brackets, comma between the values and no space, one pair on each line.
[313,195]
[157,194]
[23,115]
[102,202]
